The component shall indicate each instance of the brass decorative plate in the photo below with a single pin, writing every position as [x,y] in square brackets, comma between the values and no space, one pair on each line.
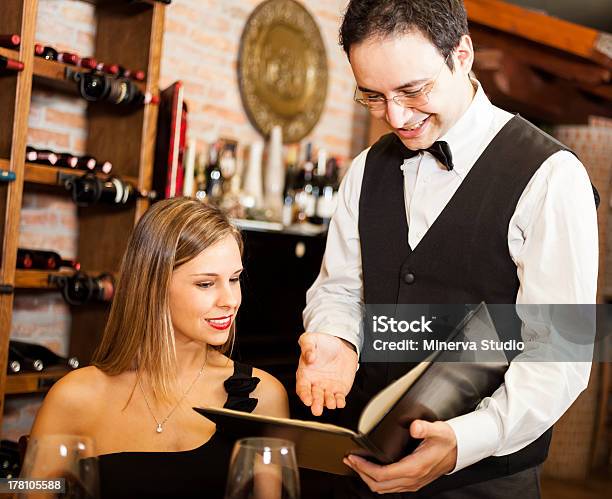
[282,69]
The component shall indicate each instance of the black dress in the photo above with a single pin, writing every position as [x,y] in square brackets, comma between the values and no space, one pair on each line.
[197,473]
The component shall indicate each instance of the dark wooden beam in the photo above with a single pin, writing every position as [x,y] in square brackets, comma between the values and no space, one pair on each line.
[517,87]
[553,61]
[539,27]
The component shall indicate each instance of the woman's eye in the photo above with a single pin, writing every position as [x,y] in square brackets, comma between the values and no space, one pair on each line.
[204,285]
[235,279]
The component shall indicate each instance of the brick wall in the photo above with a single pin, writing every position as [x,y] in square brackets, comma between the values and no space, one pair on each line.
[201,43]
[200,48]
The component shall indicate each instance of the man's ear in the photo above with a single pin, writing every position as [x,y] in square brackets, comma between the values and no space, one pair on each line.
[464,55]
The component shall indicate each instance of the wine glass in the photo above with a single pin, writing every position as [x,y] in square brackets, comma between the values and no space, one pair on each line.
[263,468]
[68,457]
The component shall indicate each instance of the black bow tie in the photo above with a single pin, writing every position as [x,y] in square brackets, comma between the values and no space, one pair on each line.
[439,150]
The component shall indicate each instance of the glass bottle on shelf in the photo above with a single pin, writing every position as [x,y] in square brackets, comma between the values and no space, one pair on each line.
[328,192]
[8,64]
[38,357]
[200,176]
[214,176]
[10,41]
[43,260]
[289,214]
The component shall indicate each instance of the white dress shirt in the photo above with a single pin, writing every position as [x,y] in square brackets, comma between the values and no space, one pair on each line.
[552,239]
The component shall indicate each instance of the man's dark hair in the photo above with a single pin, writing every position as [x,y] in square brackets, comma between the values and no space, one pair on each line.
[443,22]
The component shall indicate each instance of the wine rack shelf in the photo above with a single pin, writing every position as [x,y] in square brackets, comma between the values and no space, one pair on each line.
[52,175]
[38,279]
[12,54]
[24,383]
[57,74]
[45,175]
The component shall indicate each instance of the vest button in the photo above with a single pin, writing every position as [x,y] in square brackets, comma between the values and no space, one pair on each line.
[409,278]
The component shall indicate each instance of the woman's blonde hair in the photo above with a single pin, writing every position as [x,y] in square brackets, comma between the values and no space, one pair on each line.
[139,333]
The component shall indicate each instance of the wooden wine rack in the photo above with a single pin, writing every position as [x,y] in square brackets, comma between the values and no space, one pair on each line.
[24,383]
[126,33]
[54,175]
[37,279]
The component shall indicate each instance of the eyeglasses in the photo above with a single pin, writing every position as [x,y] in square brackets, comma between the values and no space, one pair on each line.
[376,102]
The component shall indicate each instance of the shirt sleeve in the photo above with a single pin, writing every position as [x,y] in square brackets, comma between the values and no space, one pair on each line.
[334,303]
[553,240]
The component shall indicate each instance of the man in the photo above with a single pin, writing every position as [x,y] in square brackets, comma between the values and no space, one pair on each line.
[461,203]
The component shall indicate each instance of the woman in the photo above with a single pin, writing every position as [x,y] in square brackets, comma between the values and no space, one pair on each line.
[165,350]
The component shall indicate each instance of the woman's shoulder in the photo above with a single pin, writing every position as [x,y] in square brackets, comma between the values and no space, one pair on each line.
[83,385]
[271,394]
[79,394]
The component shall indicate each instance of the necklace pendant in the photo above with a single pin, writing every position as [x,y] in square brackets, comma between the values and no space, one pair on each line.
[159,428]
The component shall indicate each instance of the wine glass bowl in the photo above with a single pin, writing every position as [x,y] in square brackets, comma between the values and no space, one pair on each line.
[263,468]
[68,457]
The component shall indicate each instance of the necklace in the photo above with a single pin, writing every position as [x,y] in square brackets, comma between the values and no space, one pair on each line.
[160,424]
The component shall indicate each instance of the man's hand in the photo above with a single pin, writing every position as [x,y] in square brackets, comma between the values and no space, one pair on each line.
[325,372]
[434,457]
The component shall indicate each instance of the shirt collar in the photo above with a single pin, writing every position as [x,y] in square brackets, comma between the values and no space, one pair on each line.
[474,123]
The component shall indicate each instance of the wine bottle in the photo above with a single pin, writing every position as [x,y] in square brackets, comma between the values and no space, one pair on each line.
[133,96]
[318,181]
[68,58]
[31,154]
[42,260]
[80,288]
[20,355]
[89,190]
[328,193]
[92,86]
[117,191]
[124,72]
[112,69]
[309,194]
[10,41]
[41,156]
[44,357]
[8,64]
[87,163]
[66,160]
[200,177]
[13,367]
[7,176]
[105,167]
[214,176]
[98,87]
[289,192]
[49,53]
[87,62]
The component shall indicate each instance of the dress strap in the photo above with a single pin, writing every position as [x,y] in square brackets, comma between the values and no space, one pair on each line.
[238,387]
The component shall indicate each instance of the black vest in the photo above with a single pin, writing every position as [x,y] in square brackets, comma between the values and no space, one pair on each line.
[462,259]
